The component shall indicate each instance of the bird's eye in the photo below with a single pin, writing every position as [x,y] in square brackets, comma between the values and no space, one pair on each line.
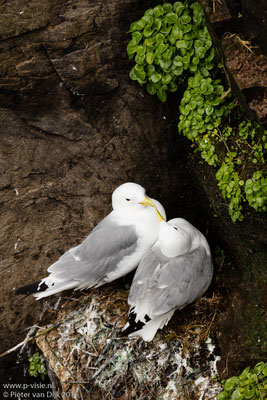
[175,228]
[128,199]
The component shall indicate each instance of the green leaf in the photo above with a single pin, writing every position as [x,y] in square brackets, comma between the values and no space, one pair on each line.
[178,61]
[160,38]
[177,32]
[216,101]
[165,30]
[236,395]
[203,87]
[161,48]
[195,60]
[181,44]
[140,73]
[249,393]
[233,381]
[178,8]
[158,11]
[222,396]
[167,7]
[187,28]
[178,71]
[136,37]
[155,77]
[149,20]
[166,79]
[198,13]
[132,47]
[150,70]
[162,95]
[170,18]
[211,56]
[167,55]
[138,25]
[133,75]
[173,87]
[185,19]
[157,24]
[186,58]
[150,11]
[260,366]
[148,32]
[141,51]
[140,60]
[150,57]
[200,51]
[165,65]
[209,89]
[151,88]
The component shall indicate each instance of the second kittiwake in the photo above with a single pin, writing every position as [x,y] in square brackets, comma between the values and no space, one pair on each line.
[173,273]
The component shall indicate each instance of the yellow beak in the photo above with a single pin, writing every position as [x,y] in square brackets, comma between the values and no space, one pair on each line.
[160,217]
[148,202]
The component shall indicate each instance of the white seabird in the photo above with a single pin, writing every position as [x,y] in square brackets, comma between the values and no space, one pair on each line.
[173,273]
[112,249]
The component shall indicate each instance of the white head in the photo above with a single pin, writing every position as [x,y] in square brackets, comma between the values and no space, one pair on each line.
[130,195]
[173,238]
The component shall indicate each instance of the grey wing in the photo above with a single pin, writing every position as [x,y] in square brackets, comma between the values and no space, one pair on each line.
[183,280]
[177,282]
[98,254]
[147,274]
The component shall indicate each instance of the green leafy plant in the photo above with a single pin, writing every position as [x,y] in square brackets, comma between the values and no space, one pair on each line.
[166,41]
[201,111]
[256,191]
[37,366]
[171,46]
[250,384]
[230,185]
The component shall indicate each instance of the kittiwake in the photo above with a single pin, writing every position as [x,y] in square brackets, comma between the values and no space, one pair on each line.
[173,273]
[112,249]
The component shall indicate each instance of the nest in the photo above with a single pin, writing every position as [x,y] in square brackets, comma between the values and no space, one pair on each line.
[92,360]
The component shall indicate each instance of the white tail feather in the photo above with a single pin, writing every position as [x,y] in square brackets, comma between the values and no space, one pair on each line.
[58,287]
[150,328]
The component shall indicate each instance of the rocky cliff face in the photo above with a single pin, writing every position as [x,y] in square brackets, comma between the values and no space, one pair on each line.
[74,127]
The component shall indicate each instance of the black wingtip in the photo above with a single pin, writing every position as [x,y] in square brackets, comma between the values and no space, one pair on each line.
[134,325]
[34,287]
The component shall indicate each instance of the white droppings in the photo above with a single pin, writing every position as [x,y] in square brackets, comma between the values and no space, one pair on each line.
[74,68]
[163,346]
[213,364]
[171,391]
[21,12]
[16,191]
[164,117]
[16,244]
[199,380]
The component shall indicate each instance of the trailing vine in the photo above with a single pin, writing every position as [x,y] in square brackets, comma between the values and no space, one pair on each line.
[171,46]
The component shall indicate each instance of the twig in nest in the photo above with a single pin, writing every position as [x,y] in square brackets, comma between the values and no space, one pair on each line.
[30,339]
